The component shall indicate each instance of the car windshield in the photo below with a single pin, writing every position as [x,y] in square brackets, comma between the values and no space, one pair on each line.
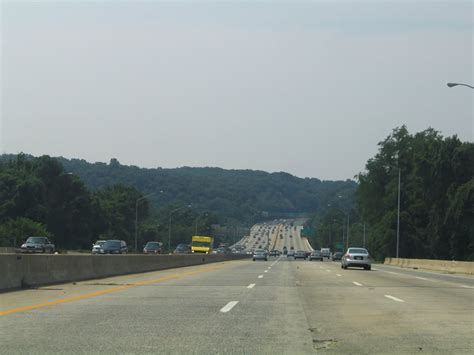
[182,246]
[200,244]
[112,244]
[357,251]
[152,245]
[36,240]
[99,242]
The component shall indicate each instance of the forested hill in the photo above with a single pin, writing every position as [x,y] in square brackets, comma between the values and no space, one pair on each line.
[243,195]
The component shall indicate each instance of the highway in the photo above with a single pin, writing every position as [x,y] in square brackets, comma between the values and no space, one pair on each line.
[278,306]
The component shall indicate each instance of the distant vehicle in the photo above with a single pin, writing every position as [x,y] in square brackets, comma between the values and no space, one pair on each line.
[274,252]
[182,249]
[290,253]
[356,257]
[37,245]
[300,254]
[114,247]
[222,250]
[292,248]
[316,255]
[202,244]
[260,254]
[153,248]
[326,252]
[336,256]
[96,246]
[281,237]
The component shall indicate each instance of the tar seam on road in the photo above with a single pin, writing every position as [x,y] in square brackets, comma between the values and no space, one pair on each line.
[99,293]
[356,283]
[251,286]
[394,298]
[260,276]
[229,306]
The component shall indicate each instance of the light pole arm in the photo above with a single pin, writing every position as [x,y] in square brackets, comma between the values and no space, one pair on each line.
[459,84]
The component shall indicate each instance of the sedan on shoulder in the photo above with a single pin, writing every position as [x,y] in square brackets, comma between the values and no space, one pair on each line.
[97,245]
[152,248]
[358,257]
[316,255]
[114,247]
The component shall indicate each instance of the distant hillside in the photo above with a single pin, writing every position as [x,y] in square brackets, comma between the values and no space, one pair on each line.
[241,195]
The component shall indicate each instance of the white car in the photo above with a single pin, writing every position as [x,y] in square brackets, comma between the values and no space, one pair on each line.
[96,246]
[356,257]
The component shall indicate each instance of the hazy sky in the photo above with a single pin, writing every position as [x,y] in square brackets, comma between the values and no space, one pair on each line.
[309,87]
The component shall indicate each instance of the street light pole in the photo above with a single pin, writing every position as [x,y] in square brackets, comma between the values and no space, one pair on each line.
[169,225]
[136,217]
[398,212]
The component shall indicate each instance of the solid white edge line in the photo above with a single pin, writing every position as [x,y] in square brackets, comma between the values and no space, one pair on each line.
[394,298]
[356,283]
[251,286]
[229,306]
[421,278]
[260,276]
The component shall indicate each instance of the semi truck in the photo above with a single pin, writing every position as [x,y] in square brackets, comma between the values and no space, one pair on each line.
[202,244]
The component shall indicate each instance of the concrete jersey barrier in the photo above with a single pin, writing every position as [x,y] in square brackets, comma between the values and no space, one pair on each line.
[22,271]
[451,266]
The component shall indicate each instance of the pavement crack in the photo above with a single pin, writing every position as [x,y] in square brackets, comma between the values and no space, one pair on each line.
[320,344]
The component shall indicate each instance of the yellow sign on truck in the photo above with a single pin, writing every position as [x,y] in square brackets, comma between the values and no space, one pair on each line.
[201,244]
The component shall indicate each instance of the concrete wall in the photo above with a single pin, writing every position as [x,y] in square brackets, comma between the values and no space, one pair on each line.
[17,271]
[462,267]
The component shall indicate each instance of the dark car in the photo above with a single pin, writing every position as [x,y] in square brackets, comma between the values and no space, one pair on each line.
[182,249]
[114,247]
[153,248]
[337,256]
[37,245]
[300,254]
[316,255]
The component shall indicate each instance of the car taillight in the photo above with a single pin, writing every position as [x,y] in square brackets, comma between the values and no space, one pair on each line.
[348,256]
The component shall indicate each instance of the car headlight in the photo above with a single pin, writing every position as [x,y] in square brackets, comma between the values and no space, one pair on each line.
[23,245]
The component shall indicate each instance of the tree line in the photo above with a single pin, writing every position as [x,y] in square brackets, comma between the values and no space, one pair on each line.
[436,200]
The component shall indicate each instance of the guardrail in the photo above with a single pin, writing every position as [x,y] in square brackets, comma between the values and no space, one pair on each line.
[24,271]
[450,266]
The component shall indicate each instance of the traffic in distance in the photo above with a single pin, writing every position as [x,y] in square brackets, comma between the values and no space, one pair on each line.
[286,296]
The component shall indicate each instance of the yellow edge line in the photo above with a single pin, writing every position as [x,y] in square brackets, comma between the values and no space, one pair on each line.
[110,290]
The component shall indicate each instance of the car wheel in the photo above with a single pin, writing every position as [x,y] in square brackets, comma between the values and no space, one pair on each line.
[368,267]
[253,259]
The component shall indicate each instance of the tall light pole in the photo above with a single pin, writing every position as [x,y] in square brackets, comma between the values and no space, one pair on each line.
[398,207]
[169,226]
[348,225]
[450,85]
[196,225]
[136,217]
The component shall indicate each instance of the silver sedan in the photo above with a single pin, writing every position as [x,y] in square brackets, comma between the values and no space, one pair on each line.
[356,257]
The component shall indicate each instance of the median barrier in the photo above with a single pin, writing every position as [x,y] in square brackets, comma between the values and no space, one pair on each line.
[450,266]
[24,271]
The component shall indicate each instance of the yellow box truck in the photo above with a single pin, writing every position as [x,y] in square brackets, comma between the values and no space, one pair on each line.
[202,244]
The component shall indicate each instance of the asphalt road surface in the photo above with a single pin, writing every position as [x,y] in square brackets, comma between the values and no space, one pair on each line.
[278,306]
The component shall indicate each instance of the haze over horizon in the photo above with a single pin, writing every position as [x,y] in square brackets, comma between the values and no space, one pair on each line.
[306,88]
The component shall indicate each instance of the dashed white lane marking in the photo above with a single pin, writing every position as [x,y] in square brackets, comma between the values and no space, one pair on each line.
[251,286]
[260,276]
[320,267]
[421,278]
[338,275]
[328,270]
[229,306]
[394,298]
[465,286]
[391,272]
[269,267]
[375,269]
[356,283]
[266,271]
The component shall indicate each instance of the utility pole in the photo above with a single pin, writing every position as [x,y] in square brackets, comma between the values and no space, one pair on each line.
[364,234]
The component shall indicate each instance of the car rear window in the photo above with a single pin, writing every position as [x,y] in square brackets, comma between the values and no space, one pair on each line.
[358,251]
